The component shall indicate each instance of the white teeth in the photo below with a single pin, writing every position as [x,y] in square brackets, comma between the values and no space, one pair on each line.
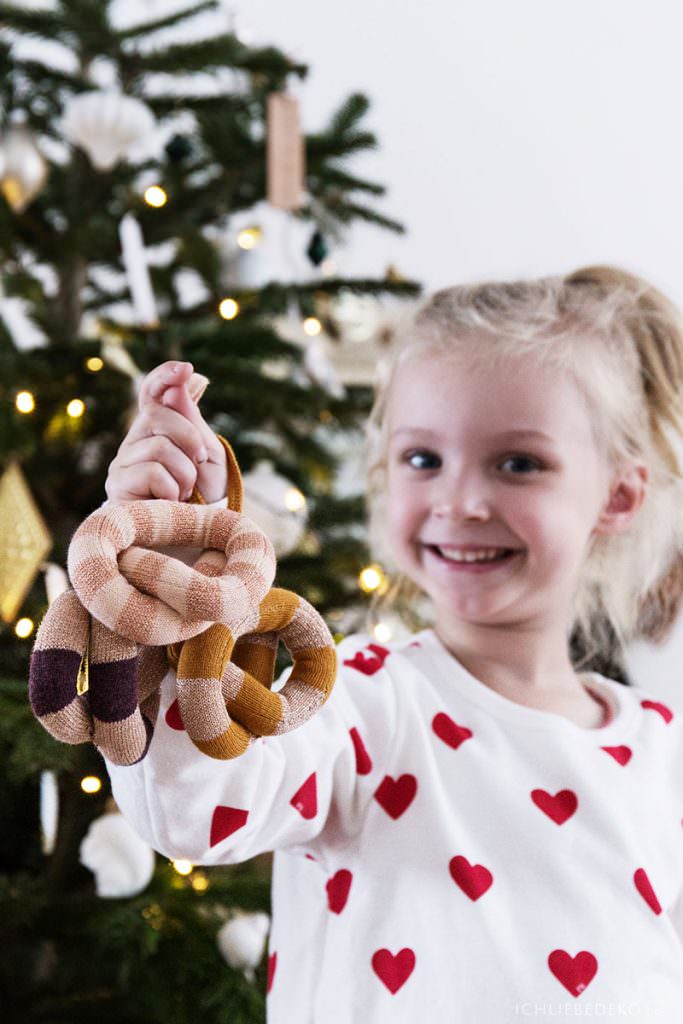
[484,555]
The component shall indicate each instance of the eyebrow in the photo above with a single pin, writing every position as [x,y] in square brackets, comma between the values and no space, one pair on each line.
[506,434]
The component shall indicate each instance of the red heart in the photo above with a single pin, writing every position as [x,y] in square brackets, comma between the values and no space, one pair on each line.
[395,795]
[558,807]
[656,705]
[305,800]
[363,762]
[449,731]
[338,890]
[645,889]
[394,971]
[173,717]
[368,665]
[575,973]
[272,964]
[225,821]
[621,754]
[474,880]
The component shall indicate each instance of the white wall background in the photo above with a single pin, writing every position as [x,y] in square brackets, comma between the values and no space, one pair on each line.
[515,139]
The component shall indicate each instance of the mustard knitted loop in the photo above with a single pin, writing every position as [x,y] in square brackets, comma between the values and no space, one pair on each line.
[242,705]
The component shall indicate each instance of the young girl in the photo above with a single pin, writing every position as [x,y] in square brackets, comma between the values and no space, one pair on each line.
[470,829]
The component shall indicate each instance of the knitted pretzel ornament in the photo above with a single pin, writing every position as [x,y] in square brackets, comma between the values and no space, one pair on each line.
[103,648]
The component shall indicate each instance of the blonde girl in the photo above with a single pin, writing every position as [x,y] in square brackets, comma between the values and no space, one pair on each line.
[472,828]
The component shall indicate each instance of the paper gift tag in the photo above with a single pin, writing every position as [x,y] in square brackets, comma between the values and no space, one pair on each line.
[285,152]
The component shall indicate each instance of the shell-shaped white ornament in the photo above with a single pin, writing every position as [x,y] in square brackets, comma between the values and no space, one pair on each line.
[241,941]
[23,168]
[276,505]
[123,864]
[107,125]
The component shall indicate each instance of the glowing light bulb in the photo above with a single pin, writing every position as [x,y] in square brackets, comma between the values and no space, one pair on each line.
[94,364]
[382,632]
[294,500]
[155,196]
[182,867]
[312,326]
[371,578]
[25,401]
[228,309]
[249,238]
[199,882]
[23,628]
[75,408]
[91,784]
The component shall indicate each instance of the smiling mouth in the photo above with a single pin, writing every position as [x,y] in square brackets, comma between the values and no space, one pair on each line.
[503,554]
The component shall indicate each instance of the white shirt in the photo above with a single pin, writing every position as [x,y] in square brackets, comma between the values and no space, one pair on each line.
[441,852]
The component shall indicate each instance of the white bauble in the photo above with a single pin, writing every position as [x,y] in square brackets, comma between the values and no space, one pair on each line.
[123,864]
[321,368]
[107,125]
[242,940]
[56,580]
[357,316]
[276,506]
[23,168]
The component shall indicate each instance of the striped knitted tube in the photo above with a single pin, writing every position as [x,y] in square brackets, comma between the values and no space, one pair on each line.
[103,648]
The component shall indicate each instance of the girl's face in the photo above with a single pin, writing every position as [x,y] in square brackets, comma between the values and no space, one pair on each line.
[462,470]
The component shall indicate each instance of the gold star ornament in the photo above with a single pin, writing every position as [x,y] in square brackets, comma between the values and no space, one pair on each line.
[24,541]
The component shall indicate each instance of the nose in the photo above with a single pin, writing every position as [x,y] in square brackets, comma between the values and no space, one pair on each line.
[473,510]
[462,500]
[462,493]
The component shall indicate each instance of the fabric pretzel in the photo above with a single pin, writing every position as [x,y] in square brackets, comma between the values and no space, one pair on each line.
[104,646]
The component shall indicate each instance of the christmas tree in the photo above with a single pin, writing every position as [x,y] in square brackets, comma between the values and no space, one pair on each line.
[145,176]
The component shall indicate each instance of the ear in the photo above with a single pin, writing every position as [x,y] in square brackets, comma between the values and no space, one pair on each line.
[627,493]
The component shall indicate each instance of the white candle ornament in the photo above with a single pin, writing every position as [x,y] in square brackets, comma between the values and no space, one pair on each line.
[137,271]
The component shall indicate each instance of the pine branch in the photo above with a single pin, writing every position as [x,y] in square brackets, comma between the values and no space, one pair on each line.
[218,52]
[336,177]
[348,114]
[47,77]
[320,146]
[47,25]
[348,212]
[147,27]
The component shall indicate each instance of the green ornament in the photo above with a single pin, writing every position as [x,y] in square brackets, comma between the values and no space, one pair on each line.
[317,248]
[178,148]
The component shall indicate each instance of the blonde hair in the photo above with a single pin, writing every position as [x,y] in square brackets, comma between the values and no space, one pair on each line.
[621,341]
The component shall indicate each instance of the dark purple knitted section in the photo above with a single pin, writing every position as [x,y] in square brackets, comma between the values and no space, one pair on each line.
[52,679]
[149,729]
[113,690]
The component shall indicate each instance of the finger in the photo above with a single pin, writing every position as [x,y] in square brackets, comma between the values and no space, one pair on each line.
[160,449]
[196,386]
[144,480]
[159,421]
[162,376]
[178,399]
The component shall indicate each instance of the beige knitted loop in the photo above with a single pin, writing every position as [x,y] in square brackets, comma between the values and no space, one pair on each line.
[154,599]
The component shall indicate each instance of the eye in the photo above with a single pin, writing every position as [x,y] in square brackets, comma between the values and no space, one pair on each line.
[534,463]
[422,453]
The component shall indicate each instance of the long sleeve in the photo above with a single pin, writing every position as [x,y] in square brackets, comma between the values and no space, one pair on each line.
[308,786]
[284,791]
